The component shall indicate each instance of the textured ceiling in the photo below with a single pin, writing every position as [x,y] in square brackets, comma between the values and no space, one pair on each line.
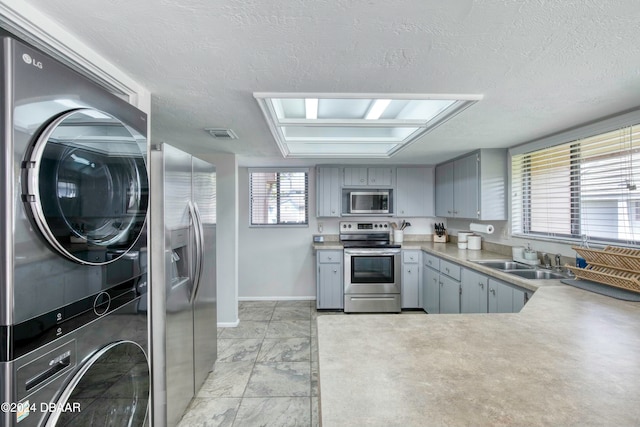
[542,66]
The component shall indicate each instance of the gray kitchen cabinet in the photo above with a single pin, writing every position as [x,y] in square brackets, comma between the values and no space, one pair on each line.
[430,284]
[328,191]
[368,177]
[355,176]
[505,298]
[500,297]
[380,177]
[414,191]
[473,186]
[520,298]
[474,296]
[329,280]
[411,290]
[449,295]
[465,187]
[444,190]
[449,281]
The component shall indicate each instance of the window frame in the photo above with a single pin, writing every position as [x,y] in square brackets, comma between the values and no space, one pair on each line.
[572,136]
[278,171]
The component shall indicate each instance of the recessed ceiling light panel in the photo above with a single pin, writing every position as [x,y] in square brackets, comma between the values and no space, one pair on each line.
[354,125]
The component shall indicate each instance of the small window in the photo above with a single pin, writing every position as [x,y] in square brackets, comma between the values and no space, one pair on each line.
[279,197]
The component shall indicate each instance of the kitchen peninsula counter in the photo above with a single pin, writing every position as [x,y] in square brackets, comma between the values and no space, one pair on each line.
[570,357]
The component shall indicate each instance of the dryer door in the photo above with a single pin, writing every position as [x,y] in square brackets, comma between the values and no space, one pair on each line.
[85,186]
[109,389]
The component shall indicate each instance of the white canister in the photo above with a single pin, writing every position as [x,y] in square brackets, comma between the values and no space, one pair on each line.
[474,243]
[463,236]
[462,245]
[398,236]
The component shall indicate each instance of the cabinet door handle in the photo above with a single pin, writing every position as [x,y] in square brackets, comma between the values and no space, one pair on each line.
[335,271]
[409,271]
[481,285]
[448,211]
[447,270]
[493,291]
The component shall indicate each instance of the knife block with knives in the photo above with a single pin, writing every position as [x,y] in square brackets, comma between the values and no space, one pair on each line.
[441,235]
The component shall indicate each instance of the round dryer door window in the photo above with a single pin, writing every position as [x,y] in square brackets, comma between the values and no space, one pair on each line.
[109,389]
[85,186]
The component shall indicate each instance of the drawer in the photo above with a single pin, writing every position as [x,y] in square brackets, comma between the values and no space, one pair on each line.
[431,261]
[325,257]
[450,269]
[411,257]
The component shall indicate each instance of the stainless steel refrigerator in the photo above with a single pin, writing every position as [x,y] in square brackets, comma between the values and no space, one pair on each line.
[183,279]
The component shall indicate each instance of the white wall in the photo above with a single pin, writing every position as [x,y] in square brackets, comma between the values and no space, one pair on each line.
[275,263]
[278,262]
[227,236]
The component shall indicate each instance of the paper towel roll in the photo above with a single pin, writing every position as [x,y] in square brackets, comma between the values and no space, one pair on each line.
[481,228]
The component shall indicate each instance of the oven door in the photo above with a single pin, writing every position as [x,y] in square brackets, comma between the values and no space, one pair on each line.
[372,271]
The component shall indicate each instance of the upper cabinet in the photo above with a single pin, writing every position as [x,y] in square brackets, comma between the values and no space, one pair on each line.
[412,188]
[369,177]
[473,186]
[414,191]
[328,191]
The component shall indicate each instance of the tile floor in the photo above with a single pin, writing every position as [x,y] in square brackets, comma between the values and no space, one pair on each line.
[267,370]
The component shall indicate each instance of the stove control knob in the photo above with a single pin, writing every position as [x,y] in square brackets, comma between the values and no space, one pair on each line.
[349,225]
[385,226]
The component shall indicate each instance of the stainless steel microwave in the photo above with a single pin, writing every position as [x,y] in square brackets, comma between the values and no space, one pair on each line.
[369,202]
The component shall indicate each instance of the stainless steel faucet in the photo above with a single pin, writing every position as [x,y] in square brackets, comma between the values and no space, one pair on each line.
[558,262]
[546,260]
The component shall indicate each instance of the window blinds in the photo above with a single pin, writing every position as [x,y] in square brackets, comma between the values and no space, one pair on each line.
[588,187]
[279,197]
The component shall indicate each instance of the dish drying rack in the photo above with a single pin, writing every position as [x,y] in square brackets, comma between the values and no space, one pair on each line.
[614,266]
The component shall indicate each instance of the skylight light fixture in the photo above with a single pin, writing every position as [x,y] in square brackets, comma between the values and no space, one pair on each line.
[344,125]
[377,108]
[311,108]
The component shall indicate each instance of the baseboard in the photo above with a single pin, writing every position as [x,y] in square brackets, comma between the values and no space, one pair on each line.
[311,298]
[228,324]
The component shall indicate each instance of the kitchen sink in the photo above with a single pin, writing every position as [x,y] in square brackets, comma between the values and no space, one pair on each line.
[504,265]
[536,274]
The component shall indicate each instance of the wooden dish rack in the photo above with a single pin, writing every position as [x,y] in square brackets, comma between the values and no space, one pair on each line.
[614,266]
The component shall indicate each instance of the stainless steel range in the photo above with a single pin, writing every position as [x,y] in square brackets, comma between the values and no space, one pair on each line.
[371,268]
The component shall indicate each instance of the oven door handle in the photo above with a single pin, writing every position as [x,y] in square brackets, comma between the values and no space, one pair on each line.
[369,252]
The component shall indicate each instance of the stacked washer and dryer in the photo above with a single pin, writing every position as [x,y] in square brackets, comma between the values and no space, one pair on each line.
[73,313]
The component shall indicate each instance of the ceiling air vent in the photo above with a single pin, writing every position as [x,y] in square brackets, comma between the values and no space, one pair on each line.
[221,133]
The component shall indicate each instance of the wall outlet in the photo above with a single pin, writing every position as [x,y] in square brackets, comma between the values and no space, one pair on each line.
[320,227]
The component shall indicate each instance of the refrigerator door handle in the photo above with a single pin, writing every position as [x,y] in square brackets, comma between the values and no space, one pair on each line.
[201,250]
[198,238]
[198,249]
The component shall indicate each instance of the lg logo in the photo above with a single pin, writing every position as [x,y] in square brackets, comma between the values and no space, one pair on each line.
[29,60]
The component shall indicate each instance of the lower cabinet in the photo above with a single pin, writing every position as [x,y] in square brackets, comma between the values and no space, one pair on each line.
[411,290]
[504,298]
[473,296]
[329,280]
[449,288]
[430,289]
[449,295]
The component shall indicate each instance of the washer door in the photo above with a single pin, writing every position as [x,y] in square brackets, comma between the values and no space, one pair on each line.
[110,389]
[85,185]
